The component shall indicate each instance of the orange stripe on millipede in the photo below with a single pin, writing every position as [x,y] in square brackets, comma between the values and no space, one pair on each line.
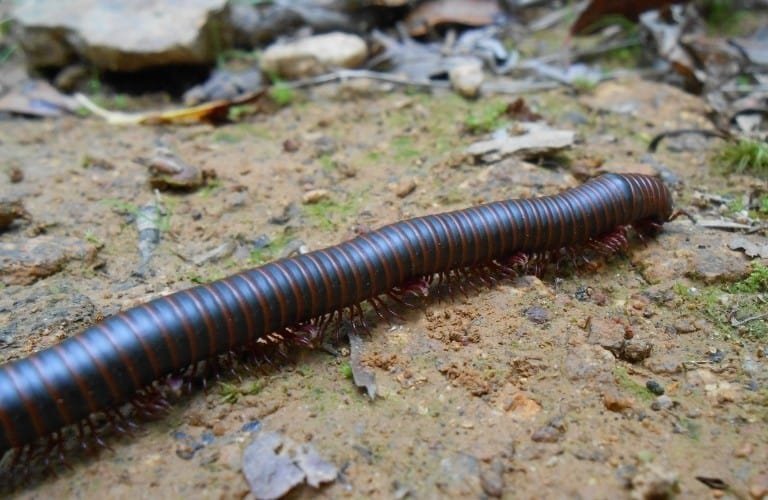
[508,227]
[189,331]
[618,203]
[479,214]
[148,351]
[266,315]
[312,290]
[213,345]
[387,271]
[567,208]
[51,388]
[244,309]
[366,262]
[126,360]
[462,237]
[550,209]
[170,341]
[280,299]
[600,215]
[84,390]
[327,299]
[523,216]
[9,430]
[496,226]
[393,251]
[407,243]
[449,243]
[224,312]
[539,222]
[117,394]
[342,279]
[32,411]
[420,241]
[474,245]
[553,212]
[297,298]
[359,288]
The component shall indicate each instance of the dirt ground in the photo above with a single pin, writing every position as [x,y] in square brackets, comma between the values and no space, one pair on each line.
[535,388]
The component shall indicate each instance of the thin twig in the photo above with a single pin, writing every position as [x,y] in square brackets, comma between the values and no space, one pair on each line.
[747,320]
[500,87]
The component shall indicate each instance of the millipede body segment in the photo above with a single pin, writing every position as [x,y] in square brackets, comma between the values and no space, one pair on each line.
[108,364]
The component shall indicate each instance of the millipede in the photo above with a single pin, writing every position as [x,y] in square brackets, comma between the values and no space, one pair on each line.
[124,358]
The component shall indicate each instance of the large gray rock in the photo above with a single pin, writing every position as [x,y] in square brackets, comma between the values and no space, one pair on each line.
[123,35]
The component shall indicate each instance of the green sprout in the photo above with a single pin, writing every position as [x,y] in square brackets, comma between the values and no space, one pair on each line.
[746,156]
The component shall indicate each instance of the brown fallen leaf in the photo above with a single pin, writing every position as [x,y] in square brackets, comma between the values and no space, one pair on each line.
[598,9]
[465,12]
[212,112]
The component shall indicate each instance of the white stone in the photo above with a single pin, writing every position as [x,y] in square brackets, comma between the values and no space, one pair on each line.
[466,78]
[314,55]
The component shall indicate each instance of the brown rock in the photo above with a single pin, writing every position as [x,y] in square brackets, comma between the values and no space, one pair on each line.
[758,486]
[22,262]
[404,187]
[521,406]
[606,333]
[636,350]
[653,482]
[315,196]
[585,362]
[743,451]
[552,432]
[11,210]
[664,363]
[614,401]
[718,264]
[659,104]
[685,325]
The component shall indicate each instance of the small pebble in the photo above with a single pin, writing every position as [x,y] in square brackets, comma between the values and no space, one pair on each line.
[551,432]
[758,486]
[662,403]
[685,326]
[743,451]
[613,401]
[15,175]
[536,314]
[583,293]
[252,426]
[655,387]
[219,428]
[325,145]
[315,196]
[260,241]
[467,78]
[404,187]
[635,351]
[291,145]
[716,356]
[492,479]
